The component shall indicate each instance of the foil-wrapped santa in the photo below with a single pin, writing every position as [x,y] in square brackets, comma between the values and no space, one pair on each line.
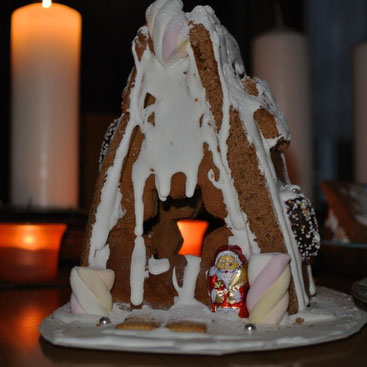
[228,282]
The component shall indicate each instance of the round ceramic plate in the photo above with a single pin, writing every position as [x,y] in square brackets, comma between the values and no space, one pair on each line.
[331,316]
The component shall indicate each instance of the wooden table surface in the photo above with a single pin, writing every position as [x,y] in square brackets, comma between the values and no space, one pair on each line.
[21,311]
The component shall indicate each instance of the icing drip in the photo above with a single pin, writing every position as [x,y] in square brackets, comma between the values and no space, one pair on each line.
[268,102]
[102,258]
[312,286]
[240,238]
[187,291]
[110,200]
[158,266]
[137,272]
[175,142]
[107,140]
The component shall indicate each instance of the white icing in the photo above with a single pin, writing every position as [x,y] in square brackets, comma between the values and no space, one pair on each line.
[331,316]
[312,286]
[158,266]
[137,271]
[246,240]
[110,194]
[186,293]
[100,261]
[173,144]
[269,104]
[289,192]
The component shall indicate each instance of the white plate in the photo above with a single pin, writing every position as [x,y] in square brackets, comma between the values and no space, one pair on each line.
[331,316]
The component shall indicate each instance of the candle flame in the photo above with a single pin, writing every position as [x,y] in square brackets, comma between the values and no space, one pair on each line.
[32,237]
[192,232]
[46,3]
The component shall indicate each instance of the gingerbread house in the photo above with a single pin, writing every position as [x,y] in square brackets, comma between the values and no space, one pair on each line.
[197,139]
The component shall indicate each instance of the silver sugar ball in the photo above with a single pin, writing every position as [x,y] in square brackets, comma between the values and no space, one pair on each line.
[104,321]
[250,328]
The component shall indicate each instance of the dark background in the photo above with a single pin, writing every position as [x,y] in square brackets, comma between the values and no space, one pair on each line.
[109,27]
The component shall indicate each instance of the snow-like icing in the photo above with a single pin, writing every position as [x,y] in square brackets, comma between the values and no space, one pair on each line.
[331,316]
[187,291]
[312,286]
[110,196]
[100,261]
[241,238]
[175,142]
[183,123]
[289,192]
[137,271]
[158,266]
[269,104]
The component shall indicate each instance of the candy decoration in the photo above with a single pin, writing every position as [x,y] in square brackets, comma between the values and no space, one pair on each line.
[250,328]
[228,282]
[269,277]
[304,225]
[104,320]
[91,290]
[168,28]
[175,40]
[107,140]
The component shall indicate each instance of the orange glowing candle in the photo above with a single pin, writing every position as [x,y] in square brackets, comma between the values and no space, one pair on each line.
[29,252]
[45,60]
[192,232]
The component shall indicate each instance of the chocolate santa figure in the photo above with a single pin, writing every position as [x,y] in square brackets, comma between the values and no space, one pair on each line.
[228,282]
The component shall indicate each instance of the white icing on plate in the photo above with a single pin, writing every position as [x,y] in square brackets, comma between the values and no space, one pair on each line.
[332,316]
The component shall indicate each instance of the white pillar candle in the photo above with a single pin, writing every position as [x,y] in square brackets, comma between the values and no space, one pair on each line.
[45,59]
[281,58]
[360,112]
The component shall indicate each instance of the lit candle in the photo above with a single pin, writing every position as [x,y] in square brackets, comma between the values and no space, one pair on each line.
[281,58]
[360,111]
[45,59]
[192,232]
[29,252]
